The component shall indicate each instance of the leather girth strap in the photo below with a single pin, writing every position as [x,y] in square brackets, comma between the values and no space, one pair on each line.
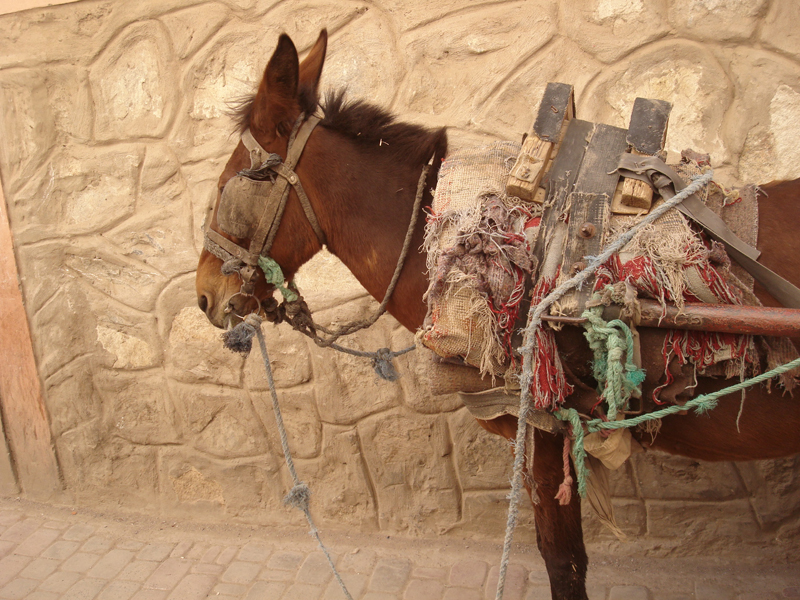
[664,179]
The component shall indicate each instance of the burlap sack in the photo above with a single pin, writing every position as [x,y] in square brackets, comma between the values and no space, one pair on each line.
[470,279]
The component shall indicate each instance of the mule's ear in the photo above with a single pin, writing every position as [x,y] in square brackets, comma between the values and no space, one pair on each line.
[275,107]
[310,72]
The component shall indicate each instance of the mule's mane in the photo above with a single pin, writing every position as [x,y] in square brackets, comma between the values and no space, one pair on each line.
[365,124]
[370,126]
[241,109]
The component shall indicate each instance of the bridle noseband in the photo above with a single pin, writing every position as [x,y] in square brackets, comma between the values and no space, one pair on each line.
[268,176]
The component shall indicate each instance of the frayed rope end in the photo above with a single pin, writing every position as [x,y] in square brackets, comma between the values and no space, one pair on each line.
[705,406]
[240,338]
[564,495]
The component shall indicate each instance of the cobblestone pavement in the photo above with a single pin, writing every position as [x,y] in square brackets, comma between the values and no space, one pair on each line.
[53,553]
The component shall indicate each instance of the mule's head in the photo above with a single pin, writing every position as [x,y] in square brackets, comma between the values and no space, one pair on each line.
[287,89]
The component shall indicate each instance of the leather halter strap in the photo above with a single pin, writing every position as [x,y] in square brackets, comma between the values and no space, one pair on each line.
[269,221]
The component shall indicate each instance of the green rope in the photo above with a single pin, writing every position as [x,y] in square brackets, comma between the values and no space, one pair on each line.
[578,450]
[274,275]
[614,370]
[701,405]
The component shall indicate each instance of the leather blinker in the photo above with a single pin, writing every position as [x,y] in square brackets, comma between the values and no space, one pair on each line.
[241,205]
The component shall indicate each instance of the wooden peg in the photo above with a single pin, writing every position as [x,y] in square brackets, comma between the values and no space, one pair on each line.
[646,136]
[636,194]
[557,107]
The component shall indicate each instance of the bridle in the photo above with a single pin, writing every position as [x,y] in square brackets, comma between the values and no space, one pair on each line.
[269,177]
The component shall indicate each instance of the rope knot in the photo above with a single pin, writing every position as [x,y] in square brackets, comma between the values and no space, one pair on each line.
[240,338]
[571,415]
[382,364]
[298,497]
[612,344]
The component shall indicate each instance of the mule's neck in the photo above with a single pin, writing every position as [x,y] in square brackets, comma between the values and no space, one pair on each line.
[366,200]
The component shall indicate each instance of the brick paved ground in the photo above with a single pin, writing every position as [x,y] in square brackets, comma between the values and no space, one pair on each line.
[51,553]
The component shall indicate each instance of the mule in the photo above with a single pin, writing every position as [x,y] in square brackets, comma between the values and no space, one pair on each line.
[360,170]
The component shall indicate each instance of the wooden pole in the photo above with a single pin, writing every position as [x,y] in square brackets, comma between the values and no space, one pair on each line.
[26,425]
[697,316]
[723,318]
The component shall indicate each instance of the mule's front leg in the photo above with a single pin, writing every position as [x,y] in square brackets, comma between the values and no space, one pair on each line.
[558,528]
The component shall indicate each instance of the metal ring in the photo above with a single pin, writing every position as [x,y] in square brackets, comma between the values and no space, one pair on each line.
[250,301]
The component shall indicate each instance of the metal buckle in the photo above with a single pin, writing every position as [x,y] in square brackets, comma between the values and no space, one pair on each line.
[634,409]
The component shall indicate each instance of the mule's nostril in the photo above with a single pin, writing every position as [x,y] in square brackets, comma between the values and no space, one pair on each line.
[202,302]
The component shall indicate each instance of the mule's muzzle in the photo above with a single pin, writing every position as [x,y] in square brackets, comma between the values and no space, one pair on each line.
[239,306]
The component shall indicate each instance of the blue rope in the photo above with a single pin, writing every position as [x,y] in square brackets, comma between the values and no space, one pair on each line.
[701,404]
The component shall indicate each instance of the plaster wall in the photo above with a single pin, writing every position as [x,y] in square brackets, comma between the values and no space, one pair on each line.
[11,6]
[113,131]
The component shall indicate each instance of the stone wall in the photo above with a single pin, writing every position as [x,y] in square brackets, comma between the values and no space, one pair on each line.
[113,131]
